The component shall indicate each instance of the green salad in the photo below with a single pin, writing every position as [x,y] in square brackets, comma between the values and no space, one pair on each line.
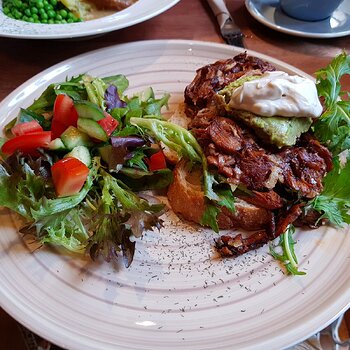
[73,163]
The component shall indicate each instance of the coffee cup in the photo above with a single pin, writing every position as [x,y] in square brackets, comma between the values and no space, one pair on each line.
[309,10]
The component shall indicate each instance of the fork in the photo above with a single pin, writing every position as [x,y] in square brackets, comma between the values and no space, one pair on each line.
[229,30]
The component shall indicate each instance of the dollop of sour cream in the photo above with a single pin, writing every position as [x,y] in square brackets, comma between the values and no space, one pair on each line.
[278,94]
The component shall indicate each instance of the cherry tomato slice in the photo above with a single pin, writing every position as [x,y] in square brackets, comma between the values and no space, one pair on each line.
[26,128]
[108,124]
[69,175]
[64,115]
[57,128]
[157,161]
[27,144]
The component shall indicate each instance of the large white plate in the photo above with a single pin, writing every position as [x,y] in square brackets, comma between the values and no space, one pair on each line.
[176,294]
[139,12]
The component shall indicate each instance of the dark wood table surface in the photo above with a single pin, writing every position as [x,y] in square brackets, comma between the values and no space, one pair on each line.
[189,19]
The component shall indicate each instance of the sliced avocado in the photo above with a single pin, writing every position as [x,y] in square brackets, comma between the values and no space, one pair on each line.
[73,137]
[57,145]
[82,153]
[89,110]
[92,128]
[280,131]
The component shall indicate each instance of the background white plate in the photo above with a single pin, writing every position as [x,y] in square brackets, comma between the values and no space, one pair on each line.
[175,294]
[141,11]
[269,13]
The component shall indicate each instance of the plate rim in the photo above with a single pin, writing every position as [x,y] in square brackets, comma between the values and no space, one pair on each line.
[113,24]
[342,306]
[255,13]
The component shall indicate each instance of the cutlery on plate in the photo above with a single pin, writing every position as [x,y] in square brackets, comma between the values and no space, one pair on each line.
[229,29]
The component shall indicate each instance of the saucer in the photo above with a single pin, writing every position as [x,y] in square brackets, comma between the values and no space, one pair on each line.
[269,13]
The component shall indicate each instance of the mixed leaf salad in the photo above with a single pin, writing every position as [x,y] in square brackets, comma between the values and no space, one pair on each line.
[75,161]
[72,162]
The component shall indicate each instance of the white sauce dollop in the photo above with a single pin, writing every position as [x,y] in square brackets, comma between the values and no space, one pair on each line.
[278,94]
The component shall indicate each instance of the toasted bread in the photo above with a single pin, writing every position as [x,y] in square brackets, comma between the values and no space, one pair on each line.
[187,200]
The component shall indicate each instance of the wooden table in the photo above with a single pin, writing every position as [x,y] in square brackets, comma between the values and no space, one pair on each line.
[189,19]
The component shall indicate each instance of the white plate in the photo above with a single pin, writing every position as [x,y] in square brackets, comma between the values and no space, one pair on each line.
[141,11]
[269,13]
[176,294]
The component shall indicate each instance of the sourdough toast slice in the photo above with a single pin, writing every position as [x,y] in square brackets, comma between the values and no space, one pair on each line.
[187,200]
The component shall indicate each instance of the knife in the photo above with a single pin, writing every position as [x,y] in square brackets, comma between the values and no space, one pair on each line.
[228,28]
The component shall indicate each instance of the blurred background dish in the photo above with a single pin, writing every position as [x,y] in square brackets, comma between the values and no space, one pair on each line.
[269,13]
[141,11]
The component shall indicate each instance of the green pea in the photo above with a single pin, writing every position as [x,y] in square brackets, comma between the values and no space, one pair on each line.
[17,14]
[40,5]
[47,8]
[27,12]
[31,19]
[63,13]
[53,2]
[51,13]
[18,3]
[58,17]
[6,10]
[44,21]
[70,20]
[51,21]
[44,15]
[35,16]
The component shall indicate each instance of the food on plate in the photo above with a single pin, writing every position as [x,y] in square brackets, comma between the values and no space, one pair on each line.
[62,11]
[270,143]
[73,166]
[258,150]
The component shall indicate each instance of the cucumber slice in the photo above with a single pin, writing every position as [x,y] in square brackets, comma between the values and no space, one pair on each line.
[73,137]
[146,94]
[89,110]
[105,152]
[57,145]
[82,153]
[92,128]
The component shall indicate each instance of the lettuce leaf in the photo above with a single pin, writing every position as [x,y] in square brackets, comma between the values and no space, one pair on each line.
[186,146]
[116,215]
[333,127]
[334,201]
[287,257]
